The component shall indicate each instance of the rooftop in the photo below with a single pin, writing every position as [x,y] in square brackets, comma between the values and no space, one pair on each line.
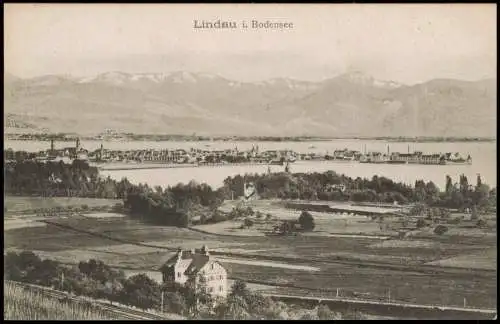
[193,260]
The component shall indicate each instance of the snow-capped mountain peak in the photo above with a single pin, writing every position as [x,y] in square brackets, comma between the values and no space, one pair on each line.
[362,78]
[116,78]
[120,78]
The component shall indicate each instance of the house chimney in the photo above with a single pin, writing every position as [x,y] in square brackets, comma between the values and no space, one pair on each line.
[52,145]
[193,251]
[204,250]
[179,254]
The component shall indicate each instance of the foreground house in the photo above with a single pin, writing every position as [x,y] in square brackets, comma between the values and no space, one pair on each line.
[196,268]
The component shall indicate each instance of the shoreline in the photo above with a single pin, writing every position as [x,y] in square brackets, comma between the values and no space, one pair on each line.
[121,166]
[146,166]
[19,137]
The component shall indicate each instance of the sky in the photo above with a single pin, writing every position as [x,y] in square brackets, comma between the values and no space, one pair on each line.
[403,43]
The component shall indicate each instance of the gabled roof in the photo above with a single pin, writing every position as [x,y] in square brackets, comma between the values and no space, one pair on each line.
[195,261]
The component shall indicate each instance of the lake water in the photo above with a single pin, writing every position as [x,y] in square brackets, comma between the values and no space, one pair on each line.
[483,160]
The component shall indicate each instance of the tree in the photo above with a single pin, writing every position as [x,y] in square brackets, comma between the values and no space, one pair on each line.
[464,184]
[324,313]
[449,184]
[418,209]
[474,213]
[235,308]
[421,223]
[112,289]
[248,222]
[420,191]
[481,223]
[141,291]
[239,288]
[440,229]
[306,221]
[481,195]
[196,295]
[309,317]
[432,193]
[258,304]
[175,302]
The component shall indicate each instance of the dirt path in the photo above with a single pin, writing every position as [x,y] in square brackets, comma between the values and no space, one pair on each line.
[268,264]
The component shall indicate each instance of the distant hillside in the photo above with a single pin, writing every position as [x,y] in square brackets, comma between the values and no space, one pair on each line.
[352,104]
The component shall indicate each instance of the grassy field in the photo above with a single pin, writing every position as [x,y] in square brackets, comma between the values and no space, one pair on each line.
[20,203]
[355,265]
[337,224]
[326,223]
[20,304]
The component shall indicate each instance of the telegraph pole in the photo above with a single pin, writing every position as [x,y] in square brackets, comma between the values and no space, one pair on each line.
[162,293]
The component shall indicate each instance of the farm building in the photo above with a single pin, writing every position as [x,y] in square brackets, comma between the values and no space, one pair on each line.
[194,267]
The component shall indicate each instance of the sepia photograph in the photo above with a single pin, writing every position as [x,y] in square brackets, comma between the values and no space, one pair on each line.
[250,161]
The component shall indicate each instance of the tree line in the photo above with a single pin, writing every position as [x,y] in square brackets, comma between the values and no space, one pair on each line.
[95,279]
[324,186]
[179,205]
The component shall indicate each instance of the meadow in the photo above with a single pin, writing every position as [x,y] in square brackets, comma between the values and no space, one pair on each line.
[368,266]
[16,204]
[21,304]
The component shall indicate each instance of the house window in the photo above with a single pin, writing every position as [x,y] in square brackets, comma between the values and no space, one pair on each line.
[220,289]
[212,266]
[178,274]
[211,289]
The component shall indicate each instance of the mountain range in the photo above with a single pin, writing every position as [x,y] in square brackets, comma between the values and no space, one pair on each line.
[351,104]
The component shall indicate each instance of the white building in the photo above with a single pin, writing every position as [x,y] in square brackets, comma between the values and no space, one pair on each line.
[195,267]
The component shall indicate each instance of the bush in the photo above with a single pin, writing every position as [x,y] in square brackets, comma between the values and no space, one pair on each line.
[175,302]
[421,223]
[324,313]
[418,209]
[259,215]
[141,291]
[248,222]
[481,223]
[269,216]
[306,221]
[455,220]
[219,217]
[440,229]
